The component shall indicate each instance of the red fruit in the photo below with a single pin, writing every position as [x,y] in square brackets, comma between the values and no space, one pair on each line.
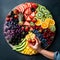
[31,28]
[33,20]
[26,23]
[34,5]
[20,8]
[22,28]
[32,15]
[15,16]
[15,11]
[7,19]
[29,5]
[26,28]
[25,6]
[28,19]
[28,11]
[25,16]
[37,27]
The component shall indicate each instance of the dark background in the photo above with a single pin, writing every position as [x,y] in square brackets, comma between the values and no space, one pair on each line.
[6,53]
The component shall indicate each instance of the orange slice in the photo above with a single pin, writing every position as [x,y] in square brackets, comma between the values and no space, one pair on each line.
[38,22]
[44,25]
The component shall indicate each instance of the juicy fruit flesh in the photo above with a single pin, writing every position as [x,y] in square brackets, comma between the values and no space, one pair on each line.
[27,21]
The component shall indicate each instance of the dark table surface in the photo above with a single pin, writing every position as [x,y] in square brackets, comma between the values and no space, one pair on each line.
[6,52]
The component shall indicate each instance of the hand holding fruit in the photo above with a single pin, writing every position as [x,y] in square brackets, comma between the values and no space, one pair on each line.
[37,45]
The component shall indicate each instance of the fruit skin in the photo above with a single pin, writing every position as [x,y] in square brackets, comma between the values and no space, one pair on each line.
[34,20]
[15,11]
[28,11]
[32,24]
[27,28]
[20,46]
[32,15]
[33,41]
[34,5]
[53,28]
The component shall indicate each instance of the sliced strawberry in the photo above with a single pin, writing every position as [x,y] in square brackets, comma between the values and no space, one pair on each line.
[15,11]
[29,5]
[20,8]
[28,11]
[31,28]
[15,16]
[24,6]
[26,23]
[32,15]
[26,28]
[34,20]
[34,5]
[28,19]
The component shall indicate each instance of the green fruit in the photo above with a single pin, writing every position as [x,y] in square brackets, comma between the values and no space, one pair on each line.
[46,12]
[53,28]
[43,19]
[49,16]
[21,48]
[42,8]
[39,15]
[20,44]
[32,24]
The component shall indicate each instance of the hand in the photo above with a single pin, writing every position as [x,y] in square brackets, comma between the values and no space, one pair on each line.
[37,45]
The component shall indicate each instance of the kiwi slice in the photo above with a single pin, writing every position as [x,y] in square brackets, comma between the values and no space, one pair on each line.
[39,15]
[53,28]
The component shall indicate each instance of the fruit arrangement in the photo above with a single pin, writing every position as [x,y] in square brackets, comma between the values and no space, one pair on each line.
[26,22]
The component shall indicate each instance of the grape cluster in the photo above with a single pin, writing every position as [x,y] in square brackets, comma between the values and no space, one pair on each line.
[41,38]
[13,32]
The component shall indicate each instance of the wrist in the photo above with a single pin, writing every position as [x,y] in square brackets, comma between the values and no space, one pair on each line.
[39,50]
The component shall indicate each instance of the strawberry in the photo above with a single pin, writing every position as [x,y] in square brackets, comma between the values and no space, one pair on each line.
[15,16]
[34,5]
[28,11]
[24,6]
[20,8]
[28,19]
[26,23]
[26,28]
[31,28]
[32,15]
[29,5]
[15,11]
[33,20]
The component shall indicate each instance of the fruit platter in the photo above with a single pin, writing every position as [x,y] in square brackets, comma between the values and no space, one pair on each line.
[26,21]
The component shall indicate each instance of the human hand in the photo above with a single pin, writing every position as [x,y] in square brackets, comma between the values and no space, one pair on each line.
[37,45]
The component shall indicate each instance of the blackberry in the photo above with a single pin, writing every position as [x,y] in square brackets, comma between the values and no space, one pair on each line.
[32,9]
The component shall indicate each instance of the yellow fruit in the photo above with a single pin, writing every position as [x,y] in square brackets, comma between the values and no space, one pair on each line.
[47,20]
[44,25]
[38,22]
[50,21]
